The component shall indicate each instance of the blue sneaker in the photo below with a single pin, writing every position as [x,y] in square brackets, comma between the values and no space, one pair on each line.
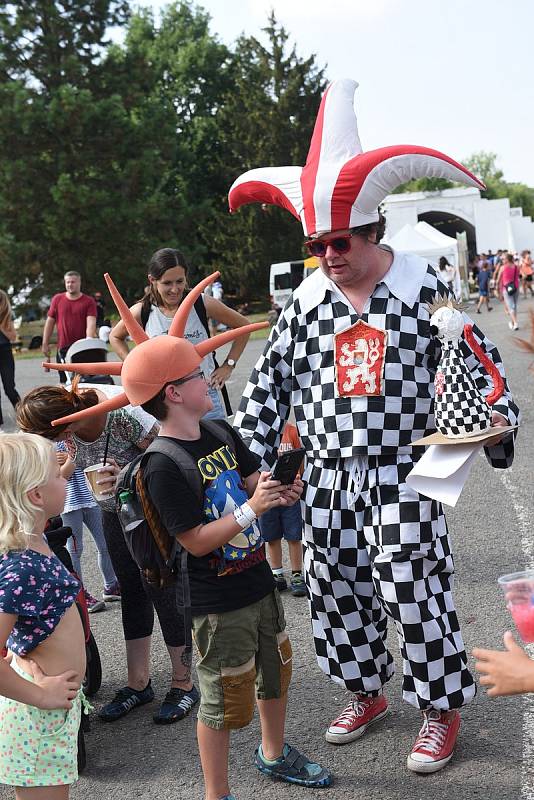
[293,767]
[177,705]
[125,701]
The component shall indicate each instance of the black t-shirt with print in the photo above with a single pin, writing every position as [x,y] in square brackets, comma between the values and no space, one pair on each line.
[245,580]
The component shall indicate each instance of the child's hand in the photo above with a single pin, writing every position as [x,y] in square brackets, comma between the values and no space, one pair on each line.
[61,457]
[291,494]
[268,494]
[508,671]
[58,690]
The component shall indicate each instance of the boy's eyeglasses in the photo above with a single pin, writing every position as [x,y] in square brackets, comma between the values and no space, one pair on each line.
[197,374]
[318,247]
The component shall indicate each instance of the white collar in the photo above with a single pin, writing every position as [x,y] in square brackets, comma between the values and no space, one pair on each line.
[404,279]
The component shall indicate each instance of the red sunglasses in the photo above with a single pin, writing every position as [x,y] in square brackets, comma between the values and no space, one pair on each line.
[318,247]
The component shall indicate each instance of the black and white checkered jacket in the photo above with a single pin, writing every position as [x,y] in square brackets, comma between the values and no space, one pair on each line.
[297,370]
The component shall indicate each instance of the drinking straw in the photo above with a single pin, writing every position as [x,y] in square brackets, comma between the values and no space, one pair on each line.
[107,447]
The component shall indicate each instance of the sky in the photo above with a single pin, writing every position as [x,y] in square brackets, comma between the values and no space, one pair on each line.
[455,75]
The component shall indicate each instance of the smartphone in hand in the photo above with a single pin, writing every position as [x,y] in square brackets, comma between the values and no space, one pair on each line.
[287,466]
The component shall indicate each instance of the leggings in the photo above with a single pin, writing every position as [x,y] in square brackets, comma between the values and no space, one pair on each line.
[138,598]
[7,373]
[92,517]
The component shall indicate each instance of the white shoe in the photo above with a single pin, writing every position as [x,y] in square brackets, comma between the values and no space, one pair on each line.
[516,327]
[511,325]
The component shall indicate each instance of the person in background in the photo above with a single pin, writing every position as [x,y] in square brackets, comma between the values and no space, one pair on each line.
[483,279]
[167,275]
[75,315]
[510,289]
[8,334]
[285,522]
[100,308]
[446,273]
[526,270]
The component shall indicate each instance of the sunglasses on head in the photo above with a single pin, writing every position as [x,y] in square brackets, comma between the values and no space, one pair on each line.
[318,247]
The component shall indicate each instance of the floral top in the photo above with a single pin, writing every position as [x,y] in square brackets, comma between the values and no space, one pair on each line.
[38,589]
[130,431]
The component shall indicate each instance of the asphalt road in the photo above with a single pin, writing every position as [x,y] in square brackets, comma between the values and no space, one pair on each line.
[492,533]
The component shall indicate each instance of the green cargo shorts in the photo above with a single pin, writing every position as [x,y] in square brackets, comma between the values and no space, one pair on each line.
[242,654]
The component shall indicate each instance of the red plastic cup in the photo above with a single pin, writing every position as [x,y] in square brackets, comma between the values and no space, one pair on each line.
[518,590]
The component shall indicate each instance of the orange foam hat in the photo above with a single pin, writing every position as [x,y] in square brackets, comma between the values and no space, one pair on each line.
[153,362]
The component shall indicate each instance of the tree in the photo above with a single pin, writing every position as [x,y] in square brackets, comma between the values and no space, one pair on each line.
[484,165]
[267,118]
[424,185]
[95,164]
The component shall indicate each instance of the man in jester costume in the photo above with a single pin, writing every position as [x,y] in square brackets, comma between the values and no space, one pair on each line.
[354,355]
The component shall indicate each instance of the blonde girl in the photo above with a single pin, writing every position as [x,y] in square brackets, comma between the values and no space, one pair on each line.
[40,698]
[8,335]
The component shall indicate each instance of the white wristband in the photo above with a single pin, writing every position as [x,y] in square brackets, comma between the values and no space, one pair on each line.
[244,516]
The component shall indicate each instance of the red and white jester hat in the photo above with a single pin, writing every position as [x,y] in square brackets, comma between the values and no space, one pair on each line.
[341,186]
[153,362]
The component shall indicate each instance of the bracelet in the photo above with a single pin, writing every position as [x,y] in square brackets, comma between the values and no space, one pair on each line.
[244,516]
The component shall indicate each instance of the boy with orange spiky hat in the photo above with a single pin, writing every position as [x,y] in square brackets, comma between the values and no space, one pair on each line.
[237,616]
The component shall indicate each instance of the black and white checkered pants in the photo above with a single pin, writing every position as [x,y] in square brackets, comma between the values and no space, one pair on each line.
[374,548]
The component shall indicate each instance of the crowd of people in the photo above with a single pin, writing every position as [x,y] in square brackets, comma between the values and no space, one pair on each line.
[503,276]
[363,545]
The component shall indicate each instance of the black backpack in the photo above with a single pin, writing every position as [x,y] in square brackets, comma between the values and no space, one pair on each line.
[158,555]
[152,548]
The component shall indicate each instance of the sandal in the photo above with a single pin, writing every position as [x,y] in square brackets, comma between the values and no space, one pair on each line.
[293,767]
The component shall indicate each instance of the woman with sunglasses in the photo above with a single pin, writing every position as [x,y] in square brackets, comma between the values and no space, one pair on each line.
[121,434]
[167,276]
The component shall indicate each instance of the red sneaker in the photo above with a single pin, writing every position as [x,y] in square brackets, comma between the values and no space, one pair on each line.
[356,718]
[435,742]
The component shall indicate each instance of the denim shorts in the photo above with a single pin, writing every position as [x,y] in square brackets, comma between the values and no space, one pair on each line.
[38,747]
[283,522]
[242,654]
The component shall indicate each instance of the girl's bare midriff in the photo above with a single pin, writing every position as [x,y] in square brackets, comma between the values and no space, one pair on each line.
[64,649]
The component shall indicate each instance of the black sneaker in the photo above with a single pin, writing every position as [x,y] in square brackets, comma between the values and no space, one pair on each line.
[125,701]
[297,585]
[177,705]
[281,583]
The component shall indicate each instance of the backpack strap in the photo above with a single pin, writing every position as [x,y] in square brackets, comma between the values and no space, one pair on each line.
[181,458]
[219,429]
[200,308]
[145,313]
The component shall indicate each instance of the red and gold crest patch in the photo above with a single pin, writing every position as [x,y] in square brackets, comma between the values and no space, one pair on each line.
[359,354]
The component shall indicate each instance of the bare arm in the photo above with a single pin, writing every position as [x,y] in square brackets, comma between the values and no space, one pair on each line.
[232,319]
[118,335]
[90,330]
[66,464]
[203,539]
[44,691]
[47,333]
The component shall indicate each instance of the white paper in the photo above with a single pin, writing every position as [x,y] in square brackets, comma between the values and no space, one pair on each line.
[443,470]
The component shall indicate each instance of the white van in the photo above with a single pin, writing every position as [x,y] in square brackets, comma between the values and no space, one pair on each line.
[285,277]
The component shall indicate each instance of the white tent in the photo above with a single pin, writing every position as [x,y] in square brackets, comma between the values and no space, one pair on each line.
[448,243]
[417,240]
